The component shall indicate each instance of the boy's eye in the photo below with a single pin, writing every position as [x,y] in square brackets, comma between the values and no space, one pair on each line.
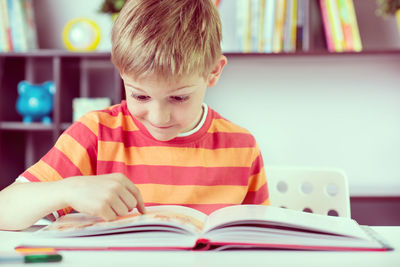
[141,98]
[179,98]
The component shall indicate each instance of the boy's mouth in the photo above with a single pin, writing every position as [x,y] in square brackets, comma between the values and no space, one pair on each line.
[160,127]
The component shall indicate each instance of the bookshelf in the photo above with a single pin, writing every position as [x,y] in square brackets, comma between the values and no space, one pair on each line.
[92,75]
[74,75]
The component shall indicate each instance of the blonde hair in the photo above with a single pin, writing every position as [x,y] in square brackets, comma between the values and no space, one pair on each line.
[166,38]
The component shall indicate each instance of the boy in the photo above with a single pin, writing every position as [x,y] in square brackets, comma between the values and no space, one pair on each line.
[160,146]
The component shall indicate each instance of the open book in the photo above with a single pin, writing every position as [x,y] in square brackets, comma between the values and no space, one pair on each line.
[178,227]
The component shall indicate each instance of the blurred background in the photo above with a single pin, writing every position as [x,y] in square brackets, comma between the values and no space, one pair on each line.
[307,107]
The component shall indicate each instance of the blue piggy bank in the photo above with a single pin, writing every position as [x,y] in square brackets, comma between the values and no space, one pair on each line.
[35,101]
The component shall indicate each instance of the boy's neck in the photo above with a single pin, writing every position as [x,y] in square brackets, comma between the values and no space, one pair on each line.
[200,122]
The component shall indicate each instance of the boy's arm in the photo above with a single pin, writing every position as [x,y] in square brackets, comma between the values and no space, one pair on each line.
[107,196]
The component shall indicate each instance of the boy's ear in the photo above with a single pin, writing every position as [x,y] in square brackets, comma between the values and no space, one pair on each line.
[213,77]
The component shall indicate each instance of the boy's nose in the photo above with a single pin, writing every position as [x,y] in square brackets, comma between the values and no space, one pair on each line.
[159,115]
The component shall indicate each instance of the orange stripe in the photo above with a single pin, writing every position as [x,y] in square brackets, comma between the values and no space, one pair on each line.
[75,152]
[192,194]
[221,125]
[257,181]
[44,172]
[92,119]
[90,122]
[113,122]
[266,202]
[176,156]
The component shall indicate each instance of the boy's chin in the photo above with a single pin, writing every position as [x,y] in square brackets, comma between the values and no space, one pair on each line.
[163,138]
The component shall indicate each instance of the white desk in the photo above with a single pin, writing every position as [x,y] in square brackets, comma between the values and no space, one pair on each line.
[224,258]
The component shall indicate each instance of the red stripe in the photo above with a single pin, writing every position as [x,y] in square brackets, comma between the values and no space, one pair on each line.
[208,141]
[61,163]
[257,165]
[117,110]
[298,247]
[205,208]
[173,175]
[257,197]
[84,136]
[216,115]
[30,176]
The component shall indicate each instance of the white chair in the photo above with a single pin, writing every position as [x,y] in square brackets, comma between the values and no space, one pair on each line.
[318,190]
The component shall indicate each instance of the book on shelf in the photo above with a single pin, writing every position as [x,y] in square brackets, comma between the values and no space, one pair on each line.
[280,12]
[243,26]
[327,26]
[30,24]
[357,45]
[181,228]
[269,25]
[272,26]
[302,25]
[17,26]
[340,25]
[5,31]
[290,27]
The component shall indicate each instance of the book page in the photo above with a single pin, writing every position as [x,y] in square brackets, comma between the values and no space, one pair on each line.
[170,218]
[274,216]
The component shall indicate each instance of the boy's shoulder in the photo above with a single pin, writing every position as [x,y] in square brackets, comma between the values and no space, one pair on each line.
[224,127]
[222,124]
[111,112]
[112,117]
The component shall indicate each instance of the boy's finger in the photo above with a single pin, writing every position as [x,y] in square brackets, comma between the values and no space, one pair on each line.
[128,199]
[108,214]
[119,207]
[138,196]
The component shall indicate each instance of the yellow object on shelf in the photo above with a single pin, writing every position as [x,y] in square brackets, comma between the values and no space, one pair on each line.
[398,20]
[81,34]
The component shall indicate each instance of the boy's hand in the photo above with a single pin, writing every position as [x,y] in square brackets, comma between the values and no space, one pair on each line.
[107,196]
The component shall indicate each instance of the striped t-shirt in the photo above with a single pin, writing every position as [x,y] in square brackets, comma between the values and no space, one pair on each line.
[218,165]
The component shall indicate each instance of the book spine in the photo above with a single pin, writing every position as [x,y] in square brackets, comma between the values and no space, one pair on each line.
[327,26]
[307,25]
[336,25]
[299,25]
[255,25]
[346,25]
[261,40]
[4,17]
[269,25]
[290,29]
[243,29]
[247,33]
[17,25]
[279,25]
[3,40]
[287,26]
[293,26]
[357,45]
[30,23]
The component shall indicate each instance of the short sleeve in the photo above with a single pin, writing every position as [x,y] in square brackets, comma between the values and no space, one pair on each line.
[74,154]
[257,192]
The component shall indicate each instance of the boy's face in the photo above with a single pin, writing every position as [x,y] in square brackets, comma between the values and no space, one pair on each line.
[166,109]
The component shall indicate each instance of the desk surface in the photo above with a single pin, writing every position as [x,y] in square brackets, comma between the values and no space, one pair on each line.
[224,258]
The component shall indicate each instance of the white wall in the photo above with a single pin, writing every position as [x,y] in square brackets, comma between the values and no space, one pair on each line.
[339,111]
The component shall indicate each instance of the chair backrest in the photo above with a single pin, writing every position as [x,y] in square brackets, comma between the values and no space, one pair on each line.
[318,190]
